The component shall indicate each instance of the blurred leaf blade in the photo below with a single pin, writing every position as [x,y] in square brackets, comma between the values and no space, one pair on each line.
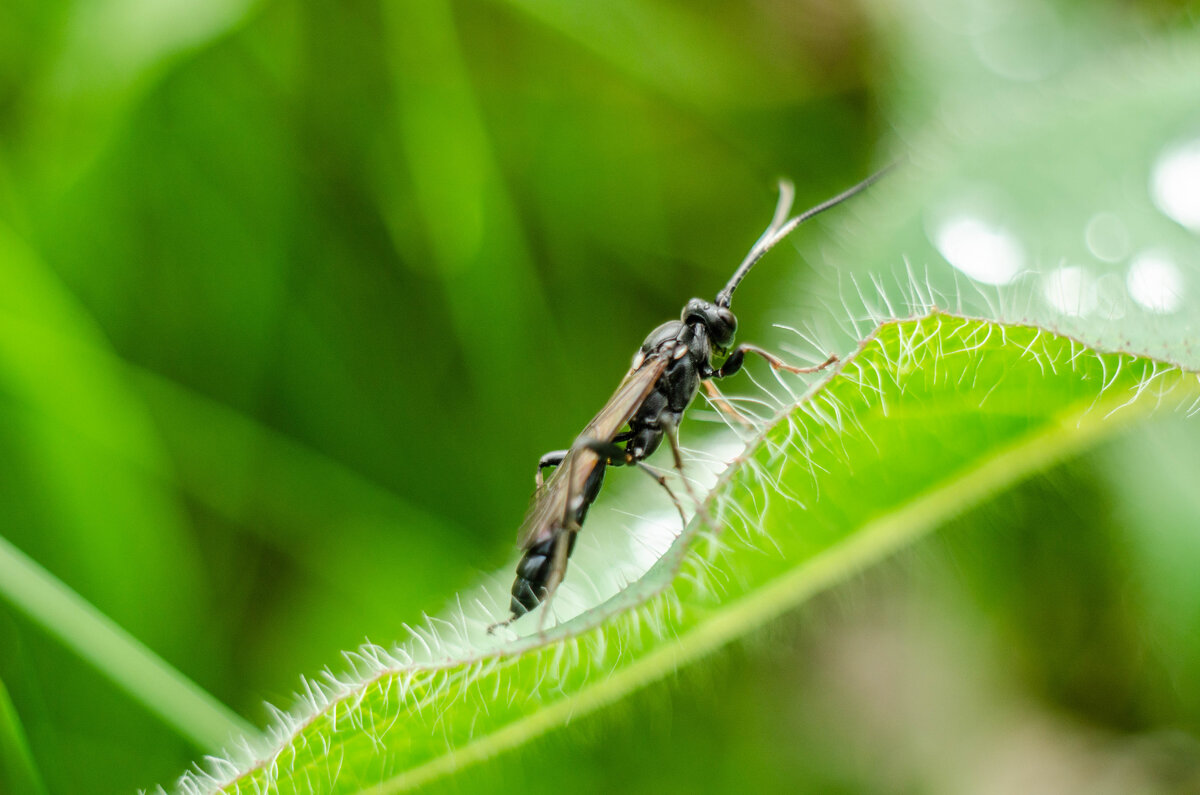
[112,651]
[18,769]
[77,417]
[334,521]
[478,247]
[1004,214]
[103,60]
[697,64]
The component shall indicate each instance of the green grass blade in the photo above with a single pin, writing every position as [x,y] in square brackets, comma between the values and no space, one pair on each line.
[18,770]
[112,651]
[471,229]
[118,539]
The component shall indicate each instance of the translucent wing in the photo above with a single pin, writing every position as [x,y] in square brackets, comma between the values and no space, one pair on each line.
[548,508]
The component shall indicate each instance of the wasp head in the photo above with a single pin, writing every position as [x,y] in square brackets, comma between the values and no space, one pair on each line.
[718,320]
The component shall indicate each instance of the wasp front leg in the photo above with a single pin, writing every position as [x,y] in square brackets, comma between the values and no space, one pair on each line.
[738,357]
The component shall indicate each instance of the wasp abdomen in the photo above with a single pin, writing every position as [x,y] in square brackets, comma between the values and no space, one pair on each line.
[529,588]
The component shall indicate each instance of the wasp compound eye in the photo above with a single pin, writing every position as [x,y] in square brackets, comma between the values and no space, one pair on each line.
[723,327]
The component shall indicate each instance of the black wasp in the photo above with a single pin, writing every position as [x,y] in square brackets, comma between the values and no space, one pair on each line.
[667,372]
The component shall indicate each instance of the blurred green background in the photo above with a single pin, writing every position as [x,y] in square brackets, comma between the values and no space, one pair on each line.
[295,295]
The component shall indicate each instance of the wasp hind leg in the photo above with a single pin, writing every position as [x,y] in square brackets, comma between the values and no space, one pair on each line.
[671,431]
[617,456]
[551,459]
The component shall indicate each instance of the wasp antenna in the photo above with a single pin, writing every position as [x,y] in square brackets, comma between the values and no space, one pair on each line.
[779,229]
[787,192]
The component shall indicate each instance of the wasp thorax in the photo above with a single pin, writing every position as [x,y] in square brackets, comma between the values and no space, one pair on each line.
[718,320]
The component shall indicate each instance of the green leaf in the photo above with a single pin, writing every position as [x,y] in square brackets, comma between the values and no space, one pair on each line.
[883,451]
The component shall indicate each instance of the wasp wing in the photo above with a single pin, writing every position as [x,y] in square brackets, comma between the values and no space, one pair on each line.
[547,511]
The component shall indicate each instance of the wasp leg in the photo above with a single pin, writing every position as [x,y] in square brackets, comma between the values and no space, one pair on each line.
[611,452]
[661,480]
[671,431]
[617,456]
[737,358]
[551,459]
[722,404]
[555,457]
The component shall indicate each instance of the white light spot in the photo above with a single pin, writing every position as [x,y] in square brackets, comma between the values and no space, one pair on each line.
[1155,282]
[680,351]
[1107,238]
[1071,290]
[1175,184]
[638,358]
[982,251]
